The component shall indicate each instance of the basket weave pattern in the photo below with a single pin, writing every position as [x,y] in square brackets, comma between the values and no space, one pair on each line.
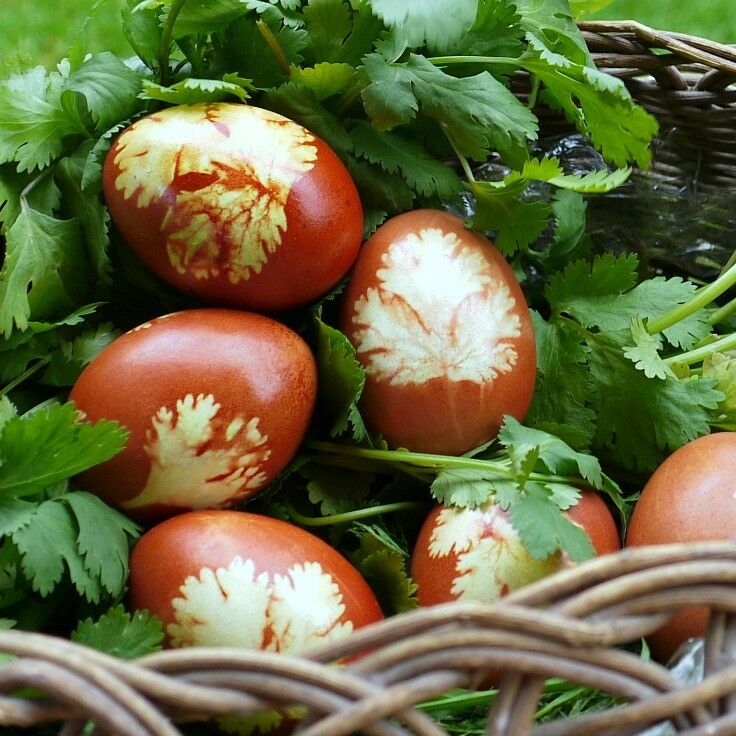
[566,626]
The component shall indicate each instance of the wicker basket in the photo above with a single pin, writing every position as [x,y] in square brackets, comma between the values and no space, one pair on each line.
[566,626]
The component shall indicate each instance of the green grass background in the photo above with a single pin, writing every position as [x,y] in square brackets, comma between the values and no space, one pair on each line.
[40,31]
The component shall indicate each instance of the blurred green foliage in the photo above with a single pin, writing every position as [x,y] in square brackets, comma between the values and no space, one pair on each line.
[41,31]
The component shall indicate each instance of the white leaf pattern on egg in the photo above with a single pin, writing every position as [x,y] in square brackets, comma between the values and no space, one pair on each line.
[200,460]
[235,607]
[226,173]
[437,313]
[491,560]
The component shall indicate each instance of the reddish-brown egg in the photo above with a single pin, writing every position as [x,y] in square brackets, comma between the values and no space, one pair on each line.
[690,498]
[441,326]
[476,554]
[228,578]
[238,205]
[216,403]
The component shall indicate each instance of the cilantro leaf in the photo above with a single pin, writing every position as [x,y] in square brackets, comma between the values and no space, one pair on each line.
[551,24]
[33,122]
[601,296]
[496,31]
[543,529]
[143,30]
[328,23]
[341,381]
[722,368]
[325,79]
[477,112]
[639,419]
[72,356]
[48,446]
[121,634]
[336,490]
[554,454]
[469,488]
[434,22]
[7,411]
[102,540]
[45,268]
[569,209]
[644,353]
[599,105]
[109,87]
[191,91]
[207,16]
[87,208]
[384,567]
[563,385]
[395,153]
[48,546]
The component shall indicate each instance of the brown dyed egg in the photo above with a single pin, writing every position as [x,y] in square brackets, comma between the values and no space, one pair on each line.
[476,554]
[238,205]
[690,498]
[217,403]
[228,578]
[441,326]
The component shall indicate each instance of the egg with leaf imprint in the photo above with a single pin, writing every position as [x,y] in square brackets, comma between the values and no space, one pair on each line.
[235,204]
[216,403]
[440,325]
[477,555]
[229,578]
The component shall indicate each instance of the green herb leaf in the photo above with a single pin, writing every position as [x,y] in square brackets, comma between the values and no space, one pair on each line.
[336,490]
[45,269]
[469,488]
[435,22]
[399,154]
[191,91]
[543,529]
[644,354]
[341,380]
[325,79]
[143,30]
[121,634]
[33,123]
[564,384]
[384,567]
[46,447]
[328,23]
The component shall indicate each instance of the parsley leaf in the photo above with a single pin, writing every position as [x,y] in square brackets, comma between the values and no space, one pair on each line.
[396,153]
[45,268]
[341,381]
[436,22]
[384,567]
[601,296]
[477,112]
[336,490]
[563,385]
[543,529]
[640,419]
[121,634]
[45,447]
[191,91]
[33,122]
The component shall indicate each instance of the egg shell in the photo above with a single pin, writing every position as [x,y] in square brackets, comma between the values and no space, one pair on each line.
[216,401]
[237,205]
[441,325]
[230,578]
[690,498]
[476,555]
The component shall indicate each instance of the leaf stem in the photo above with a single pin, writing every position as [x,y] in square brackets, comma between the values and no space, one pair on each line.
[703,297]
[449,60]
[463,160]
[728,342]
[276,49]
[723,313]
[166,37]
[348,516]
[500,468]
[32,370]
